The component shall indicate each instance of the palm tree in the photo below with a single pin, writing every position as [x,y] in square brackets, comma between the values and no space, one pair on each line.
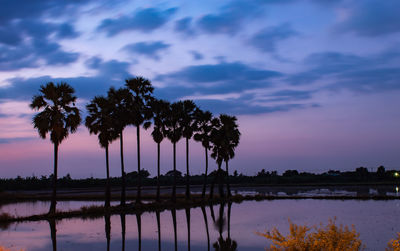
[160,110]
[140,113]
[231,136]
[188,126]
[203,135]
[225,138]
[99,121]
[217,145]
[120,100]
[59,117]
[174,134]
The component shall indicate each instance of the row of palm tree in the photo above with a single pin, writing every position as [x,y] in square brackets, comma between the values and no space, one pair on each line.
[135,105]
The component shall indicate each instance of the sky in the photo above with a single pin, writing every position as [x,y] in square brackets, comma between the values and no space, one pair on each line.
[315,84]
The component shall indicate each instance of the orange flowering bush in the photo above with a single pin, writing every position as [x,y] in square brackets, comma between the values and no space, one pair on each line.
[394,244]
[328,238]
[5,249]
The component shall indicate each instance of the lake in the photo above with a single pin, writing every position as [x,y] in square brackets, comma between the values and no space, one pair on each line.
[375,220]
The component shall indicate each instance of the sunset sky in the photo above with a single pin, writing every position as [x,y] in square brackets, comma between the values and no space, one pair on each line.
[315,84]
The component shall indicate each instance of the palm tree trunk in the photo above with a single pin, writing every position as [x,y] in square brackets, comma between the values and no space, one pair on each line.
[220,185]
[187,170]
[123,191]
[54,195]
[174,184]
[212,188]
[227,180]
[203,194]
[108,190]
[158,171]
[139,181]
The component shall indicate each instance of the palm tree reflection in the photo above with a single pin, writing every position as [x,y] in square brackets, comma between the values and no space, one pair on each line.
[108,230]
[123,230]
[224,244]
[53,230]
[203,209]
[187,211]
[159,229]
[173,212]
[139,226]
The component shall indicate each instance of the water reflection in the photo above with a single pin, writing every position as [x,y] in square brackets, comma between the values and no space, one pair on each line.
[221,224]
[224,226]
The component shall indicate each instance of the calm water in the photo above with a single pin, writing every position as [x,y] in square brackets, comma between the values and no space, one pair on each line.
[376,221]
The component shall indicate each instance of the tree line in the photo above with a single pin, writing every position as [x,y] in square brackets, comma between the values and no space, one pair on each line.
[135,105]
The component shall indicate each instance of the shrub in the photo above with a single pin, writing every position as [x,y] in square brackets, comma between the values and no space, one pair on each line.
[329,238]
[394,244]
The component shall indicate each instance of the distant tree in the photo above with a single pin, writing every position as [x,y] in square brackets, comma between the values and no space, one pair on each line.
[143,174]
[160,110]
[381,171]
[362,171]
[174,173]
[59,117]
[120,101]
[290,173]
[140,113]
[203,135]
[99,121]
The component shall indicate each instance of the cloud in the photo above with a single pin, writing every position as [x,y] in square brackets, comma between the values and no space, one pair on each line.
[184,25]
[144,20]
[197,55]
[28,44]
[223,71]
[149,49]
[375,73]
[110,73]
[267,39]
[229,87]
[372,18]
[231,17]
[240,106]
[26,9]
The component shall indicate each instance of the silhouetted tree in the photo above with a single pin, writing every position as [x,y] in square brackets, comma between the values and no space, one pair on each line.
[231,136]
[59,117]
[99,121]
[203,120]
[120,101]
[381,171]
[225,137]
[160,112]
[188,125]
[140,113]
[174,134]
